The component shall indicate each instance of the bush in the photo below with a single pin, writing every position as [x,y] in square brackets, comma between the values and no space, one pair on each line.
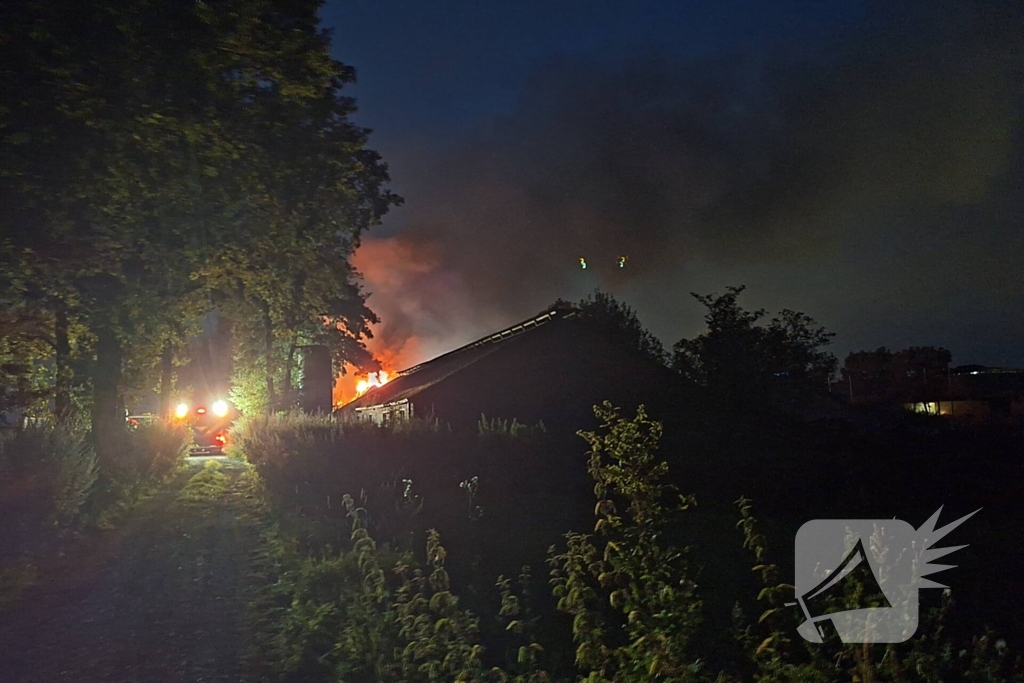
[308,462]
[149,451]
[248,390]
[59,460]
[272,440]
[158,448]
[416,425]
[77,472]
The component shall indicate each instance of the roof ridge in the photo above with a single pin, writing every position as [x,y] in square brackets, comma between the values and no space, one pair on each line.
[532,322]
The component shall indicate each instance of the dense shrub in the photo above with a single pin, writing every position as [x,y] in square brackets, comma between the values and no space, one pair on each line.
[77,472]
[25,449]
[51,481]
[272,441]
[57,462]
[158,448]
[419,475]
[145,452]
[50,476]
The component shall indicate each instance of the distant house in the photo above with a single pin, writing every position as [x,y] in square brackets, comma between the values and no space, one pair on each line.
[921,380]
[552,367]
[975,393]
[962,409]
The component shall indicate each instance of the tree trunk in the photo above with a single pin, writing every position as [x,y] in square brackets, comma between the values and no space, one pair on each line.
[62,365]
[107,407]
[298,287]
[166,377]
[289,389]
[268,348]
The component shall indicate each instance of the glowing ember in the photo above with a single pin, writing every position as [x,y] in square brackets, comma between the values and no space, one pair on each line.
[374,379]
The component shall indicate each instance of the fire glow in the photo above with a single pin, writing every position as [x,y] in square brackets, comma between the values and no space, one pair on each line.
[391,269]
[373,379]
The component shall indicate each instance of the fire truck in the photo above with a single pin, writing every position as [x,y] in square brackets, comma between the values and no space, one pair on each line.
[209,423]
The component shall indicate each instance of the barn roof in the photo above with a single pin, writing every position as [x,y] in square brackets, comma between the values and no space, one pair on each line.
[407,383]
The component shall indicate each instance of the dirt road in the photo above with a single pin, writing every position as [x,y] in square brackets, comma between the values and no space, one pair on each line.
[162,598]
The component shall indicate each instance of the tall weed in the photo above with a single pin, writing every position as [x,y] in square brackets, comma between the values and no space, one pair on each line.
[370,614]
[158,448]
[59,461]
[77,473]
[491,427]
[273,440]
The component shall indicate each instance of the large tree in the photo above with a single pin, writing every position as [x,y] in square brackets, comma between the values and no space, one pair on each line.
[741,354]
[619,322]
[286,278]
[161,158]
[919,373]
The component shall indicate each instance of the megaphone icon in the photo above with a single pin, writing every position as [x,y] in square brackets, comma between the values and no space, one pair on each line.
[825,598]
[871,596]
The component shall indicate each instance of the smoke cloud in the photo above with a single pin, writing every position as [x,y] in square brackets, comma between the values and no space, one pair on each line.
[874,184]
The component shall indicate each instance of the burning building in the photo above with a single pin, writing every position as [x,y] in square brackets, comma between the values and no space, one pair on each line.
[552,367]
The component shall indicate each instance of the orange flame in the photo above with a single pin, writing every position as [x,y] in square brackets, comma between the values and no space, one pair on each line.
[349,387]
[391,268]
[373,379]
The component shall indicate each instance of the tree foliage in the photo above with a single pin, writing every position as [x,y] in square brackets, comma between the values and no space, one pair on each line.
[913,374]
[162,160]
[619,322]
[740,353]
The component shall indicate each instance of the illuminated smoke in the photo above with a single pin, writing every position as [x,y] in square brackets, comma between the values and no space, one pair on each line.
[835,182]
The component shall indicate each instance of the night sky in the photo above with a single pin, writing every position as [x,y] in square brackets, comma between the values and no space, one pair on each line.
[861,162]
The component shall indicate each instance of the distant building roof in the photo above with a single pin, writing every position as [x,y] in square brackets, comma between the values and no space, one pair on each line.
[411,381]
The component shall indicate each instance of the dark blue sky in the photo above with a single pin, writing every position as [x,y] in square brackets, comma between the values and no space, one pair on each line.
[431,68]
[861,162]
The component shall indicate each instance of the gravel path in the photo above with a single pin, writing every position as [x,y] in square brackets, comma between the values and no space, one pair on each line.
[163,598]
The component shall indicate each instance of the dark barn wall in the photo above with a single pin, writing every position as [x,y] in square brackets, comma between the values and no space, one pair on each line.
[555,373]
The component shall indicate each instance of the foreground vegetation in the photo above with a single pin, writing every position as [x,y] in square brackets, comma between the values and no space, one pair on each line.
[52,488]
[382,601]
